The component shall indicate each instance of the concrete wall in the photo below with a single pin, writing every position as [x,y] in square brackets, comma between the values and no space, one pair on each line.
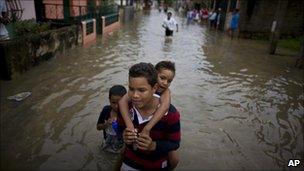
[88,38]
[258,24]
[54,8]
[34,49]
[28,7]
[110,28]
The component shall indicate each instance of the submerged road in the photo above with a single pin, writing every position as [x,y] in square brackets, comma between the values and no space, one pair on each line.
[240,107]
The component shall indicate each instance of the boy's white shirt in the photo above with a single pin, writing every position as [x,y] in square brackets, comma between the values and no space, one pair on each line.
[170,24]
[134,112]
[213,16]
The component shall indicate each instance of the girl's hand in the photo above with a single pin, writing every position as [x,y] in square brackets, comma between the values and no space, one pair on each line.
[129,135]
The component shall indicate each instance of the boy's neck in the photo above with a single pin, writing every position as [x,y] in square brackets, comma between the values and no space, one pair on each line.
[150,108]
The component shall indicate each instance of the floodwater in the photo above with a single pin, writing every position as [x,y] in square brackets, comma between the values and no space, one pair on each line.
[240,107]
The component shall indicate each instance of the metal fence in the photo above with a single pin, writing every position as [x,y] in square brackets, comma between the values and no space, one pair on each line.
[89,27]
[111,18]
[107,10]
[88,12]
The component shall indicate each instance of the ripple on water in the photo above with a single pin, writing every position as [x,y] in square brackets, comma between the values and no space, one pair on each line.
[66,160]
[256,100]
[70,102]
[50,98]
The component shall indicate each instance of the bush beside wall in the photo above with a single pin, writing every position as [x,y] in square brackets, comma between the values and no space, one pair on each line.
[19,54]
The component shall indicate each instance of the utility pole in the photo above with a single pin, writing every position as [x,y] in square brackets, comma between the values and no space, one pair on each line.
[277,24]
[228,16]
[302,47]
[228,6]
[302,36]
[39,10]
[300,60]
[238,4]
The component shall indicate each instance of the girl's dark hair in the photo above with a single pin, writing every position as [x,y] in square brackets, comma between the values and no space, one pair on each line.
[165,65]
[145,70]
[117,90]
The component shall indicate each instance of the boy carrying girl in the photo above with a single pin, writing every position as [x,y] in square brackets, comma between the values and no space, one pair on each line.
[152,133]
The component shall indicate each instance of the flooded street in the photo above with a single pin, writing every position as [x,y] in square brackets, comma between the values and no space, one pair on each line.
[240,107]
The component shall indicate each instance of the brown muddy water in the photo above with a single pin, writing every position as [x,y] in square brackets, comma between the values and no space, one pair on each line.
[240,107]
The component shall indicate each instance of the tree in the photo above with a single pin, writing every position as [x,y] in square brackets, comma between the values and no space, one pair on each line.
[168,2]
[300,60]
[277,24]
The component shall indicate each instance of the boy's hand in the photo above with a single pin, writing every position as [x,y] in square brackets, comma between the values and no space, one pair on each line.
[109,121]
[144,142]
[129,135]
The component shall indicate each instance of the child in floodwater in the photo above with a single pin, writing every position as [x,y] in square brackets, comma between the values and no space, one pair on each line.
[165,75]
[107,120]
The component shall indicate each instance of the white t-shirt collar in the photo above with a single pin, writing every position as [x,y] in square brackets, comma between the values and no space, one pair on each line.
[139,116]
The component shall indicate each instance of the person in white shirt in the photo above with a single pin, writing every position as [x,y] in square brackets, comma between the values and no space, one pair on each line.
[3,21]
[212,19]
[169,24]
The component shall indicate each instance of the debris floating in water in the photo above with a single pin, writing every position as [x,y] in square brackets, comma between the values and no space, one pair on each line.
[20,96]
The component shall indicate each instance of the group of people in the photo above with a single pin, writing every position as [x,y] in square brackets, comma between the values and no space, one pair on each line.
[141,121]
[197,15]
[215,19]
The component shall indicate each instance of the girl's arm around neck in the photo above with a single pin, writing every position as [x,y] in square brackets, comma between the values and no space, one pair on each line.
[124,110]
[165,100]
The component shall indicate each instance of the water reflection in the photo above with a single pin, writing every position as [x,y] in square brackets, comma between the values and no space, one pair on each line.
[167,44]
[238,105]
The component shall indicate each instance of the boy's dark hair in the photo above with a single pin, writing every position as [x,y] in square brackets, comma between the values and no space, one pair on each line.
[117,90]
[165,65]
[146,70]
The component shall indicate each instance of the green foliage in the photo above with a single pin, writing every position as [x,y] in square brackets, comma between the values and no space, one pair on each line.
[105,3]
[109,9]
[22,28]
[169,2]
[290,43]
